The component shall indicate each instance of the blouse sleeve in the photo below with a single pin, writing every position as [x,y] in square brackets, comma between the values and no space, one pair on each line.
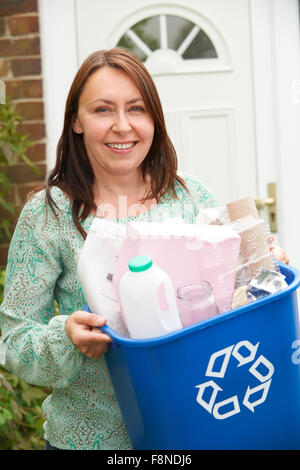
[36,346]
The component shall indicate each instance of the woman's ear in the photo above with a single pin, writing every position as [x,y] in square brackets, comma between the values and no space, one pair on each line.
[76,126]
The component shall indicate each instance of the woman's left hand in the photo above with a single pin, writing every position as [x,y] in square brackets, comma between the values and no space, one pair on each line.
[277,252]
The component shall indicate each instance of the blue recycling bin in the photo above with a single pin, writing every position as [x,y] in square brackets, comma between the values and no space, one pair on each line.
[230,382]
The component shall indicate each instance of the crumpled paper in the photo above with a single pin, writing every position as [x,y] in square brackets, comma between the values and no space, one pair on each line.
[265,283]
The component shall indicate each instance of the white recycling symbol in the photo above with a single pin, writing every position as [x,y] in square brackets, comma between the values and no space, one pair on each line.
[215,408]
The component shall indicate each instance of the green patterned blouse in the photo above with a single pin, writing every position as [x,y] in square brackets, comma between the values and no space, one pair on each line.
[82,412]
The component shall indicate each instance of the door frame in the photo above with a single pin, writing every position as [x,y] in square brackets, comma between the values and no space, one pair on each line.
[276,79]
[58,25]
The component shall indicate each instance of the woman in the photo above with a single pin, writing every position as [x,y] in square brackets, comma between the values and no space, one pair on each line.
[114,145]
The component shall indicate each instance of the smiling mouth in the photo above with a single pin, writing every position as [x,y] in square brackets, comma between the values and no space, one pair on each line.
[121,146]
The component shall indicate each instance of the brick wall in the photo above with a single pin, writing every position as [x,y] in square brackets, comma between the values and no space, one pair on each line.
[20,69]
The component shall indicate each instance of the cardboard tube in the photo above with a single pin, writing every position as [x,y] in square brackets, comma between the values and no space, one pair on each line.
[254,252]
[242,208]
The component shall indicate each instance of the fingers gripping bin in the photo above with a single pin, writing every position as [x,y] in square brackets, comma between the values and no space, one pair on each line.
[229,382]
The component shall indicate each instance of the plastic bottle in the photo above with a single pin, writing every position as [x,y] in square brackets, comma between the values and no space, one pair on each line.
[143,290]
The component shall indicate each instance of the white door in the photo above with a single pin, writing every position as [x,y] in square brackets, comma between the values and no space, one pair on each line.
[199,55]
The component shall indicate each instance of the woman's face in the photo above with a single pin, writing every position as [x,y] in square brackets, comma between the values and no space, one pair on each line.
[116,126]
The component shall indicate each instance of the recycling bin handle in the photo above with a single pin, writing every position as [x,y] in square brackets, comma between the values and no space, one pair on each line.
[104,329]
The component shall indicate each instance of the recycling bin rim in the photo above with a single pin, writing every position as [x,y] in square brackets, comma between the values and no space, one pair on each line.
[136,343]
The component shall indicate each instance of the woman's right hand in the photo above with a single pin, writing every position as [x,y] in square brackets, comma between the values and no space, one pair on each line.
[83,330]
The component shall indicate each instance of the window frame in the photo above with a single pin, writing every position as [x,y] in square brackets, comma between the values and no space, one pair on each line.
[155,62]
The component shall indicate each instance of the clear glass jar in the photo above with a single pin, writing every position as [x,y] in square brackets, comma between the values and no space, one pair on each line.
[196,302]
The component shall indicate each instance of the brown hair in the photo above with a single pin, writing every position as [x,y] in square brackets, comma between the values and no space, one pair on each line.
[73,172]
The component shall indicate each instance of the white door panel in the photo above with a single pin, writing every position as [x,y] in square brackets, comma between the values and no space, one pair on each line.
[199,137]
[210,139]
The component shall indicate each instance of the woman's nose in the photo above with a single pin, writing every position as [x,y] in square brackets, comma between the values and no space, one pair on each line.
[121,123]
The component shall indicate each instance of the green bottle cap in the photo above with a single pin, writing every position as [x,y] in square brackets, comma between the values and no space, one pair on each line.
[140,263]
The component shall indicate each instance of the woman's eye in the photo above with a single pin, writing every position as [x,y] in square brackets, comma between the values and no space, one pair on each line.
[102,109]
[137,108]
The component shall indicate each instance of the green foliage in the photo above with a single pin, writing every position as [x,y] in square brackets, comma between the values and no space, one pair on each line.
[2,277]
[21,416]
[13,144]
[13,147]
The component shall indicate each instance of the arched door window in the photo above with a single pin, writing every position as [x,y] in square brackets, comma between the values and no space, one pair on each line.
[168,32]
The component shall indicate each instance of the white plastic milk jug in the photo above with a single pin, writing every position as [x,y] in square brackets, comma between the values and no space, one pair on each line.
[141,292]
